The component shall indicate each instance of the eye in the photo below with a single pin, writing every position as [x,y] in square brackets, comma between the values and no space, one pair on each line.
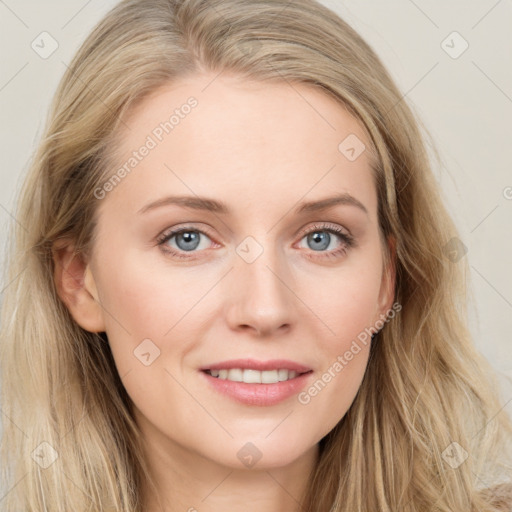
[323,241]
[183,240]
[321,237]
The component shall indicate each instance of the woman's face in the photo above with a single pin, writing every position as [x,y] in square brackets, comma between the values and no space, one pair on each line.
[269,269]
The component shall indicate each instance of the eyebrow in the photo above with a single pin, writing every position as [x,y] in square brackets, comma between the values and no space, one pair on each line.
[212,205]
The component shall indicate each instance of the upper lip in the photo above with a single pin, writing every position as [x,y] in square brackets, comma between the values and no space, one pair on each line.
[253,364]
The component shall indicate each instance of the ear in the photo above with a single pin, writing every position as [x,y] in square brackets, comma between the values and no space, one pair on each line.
[387,289]
[76,287]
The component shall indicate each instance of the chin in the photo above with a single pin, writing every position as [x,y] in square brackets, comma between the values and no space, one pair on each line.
[260,454]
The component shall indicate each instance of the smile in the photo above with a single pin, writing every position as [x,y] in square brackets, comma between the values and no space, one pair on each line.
[250,376]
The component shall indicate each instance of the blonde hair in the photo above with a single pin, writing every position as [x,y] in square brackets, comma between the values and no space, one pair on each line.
[425,387]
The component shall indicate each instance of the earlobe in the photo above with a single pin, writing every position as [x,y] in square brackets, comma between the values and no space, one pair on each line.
[76,287]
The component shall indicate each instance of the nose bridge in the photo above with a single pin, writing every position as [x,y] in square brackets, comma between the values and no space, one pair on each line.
[260,297]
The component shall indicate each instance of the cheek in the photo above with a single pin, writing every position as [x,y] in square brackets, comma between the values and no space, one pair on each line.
[346,304]
[145,311]
[334,389]
[146,299]
[157,303]
[348,309]
[345,301]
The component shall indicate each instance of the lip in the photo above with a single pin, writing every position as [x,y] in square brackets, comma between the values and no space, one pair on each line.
[258,394]
[253,364]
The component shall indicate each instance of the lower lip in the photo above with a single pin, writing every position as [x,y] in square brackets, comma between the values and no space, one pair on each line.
[259,394]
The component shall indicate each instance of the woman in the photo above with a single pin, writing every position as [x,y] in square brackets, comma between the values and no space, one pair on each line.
[232,285]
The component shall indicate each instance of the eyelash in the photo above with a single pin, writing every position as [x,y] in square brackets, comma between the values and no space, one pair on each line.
[347,240]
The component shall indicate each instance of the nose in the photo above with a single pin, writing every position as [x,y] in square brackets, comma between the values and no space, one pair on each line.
[260,300]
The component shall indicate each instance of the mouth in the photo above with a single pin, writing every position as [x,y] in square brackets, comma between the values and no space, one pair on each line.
[257,383]
[251,376]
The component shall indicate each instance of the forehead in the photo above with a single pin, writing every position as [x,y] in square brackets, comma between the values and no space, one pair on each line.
[218,135]
[228,101]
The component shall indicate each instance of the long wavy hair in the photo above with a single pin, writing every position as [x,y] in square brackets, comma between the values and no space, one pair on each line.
[424,431]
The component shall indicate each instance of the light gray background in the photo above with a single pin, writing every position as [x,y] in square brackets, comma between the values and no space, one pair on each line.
[465,103]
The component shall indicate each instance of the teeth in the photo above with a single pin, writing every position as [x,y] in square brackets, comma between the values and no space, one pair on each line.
[251,376]
[282,375]
[269,377]
[235,374]
[254,376]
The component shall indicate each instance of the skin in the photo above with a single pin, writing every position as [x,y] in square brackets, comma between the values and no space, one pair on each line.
[262,149]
